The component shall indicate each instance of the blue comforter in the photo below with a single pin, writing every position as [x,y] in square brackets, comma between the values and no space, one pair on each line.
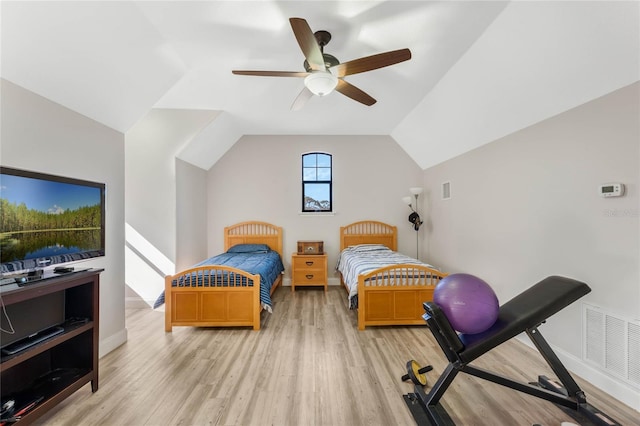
[267,264]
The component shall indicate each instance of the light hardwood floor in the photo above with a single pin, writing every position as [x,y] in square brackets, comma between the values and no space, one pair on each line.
[309,365]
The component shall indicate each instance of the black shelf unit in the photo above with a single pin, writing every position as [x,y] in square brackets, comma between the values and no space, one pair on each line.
[53,369]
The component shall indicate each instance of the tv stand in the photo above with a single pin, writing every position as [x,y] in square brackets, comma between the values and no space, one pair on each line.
[57,365]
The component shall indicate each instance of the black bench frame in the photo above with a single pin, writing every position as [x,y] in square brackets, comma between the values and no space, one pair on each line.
[523,313]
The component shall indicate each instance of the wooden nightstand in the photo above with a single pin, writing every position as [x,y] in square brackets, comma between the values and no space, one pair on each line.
[308,270]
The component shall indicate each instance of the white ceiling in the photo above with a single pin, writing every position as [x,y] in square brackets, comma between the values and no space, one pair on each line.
[479,70]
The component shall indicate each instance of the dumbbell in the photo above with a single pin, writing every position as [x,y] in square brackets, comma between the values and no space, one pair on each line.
[416,373]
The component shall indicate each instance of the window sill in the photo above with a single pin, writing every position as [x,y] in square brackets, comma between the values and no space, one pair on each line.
[316,213]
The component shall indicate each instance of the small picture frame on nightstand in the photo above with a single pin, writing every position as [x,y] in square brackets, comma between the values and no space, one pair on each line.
[310,247]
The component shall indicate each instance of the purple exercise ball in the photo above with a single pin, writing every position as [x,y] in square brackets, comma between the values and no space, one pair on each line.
[468,302]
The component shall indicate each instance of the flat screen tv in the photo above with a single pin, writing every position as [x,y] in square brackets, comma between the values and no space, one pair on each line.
[47,220]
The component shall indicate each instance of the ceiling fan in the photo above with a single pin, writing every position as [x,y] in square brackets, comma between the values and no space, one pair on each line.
[324,73]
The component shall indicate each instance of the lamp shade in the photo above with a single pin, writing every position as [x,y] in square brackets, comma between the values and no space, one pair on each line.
[406,200]
[415,190]
[321,83]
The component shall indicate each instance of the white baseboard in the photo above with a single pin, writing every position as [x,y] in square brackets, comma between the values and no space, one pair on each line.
[112,342]
[334,281]
[620,390]
[286,282]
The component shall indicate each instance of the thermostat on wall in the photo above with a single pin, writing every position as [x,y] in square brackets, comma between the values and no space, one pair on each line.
[611,189]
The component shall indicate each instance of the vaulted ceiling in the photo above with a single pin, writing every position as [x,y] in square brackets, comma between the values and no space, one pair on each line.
[479,70]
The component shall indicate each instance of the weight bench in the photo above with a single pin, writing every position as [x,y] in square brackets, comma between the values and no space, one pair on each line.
[523,313]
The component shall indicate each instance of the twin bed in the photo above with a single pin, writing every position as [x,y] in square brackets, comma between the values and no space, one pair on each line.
[220,292]
[386,287]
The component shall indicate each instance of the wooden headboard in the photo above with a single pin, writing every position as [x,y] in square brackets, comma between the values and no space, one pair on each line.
[254,233]
[369,232]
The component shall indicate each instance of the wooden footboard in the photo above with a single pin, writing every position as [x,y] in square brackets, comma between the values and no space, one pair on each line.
[393,295]
[212,296]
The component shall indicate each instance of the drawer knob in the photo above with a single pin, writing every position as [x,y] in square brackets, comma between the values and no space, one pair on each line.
[309,262]
[309,276]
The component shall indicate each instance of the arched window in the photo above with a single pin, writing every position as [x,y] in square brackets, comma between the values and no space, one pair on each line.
[316,182]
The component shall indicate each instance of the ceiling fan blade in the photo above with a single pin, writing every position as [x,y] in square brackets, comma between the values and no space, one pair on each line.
[308,43]
[372,62]
[354,93]
[272,73]
[301,99]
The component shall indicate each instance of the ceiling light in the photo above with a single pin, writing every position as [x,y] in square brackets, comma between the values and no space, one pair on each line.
[321,83]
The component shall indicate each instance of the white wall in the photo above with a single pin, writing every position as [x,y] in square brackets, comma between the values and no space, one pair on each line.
[42,136]
[191,215]
[153,222]
[526,206]
[259,178]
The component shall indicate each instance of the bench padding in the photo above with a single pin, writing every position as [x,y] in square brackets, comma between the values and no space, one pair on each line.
[525,311]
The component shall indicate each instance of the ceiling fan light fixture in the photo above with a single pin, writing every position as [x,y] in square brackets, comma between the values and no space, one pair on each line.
[321,83]
[324,73]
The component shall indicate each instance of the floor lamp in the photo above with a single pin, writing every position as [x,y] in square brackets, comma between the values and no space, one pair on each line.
[414,217]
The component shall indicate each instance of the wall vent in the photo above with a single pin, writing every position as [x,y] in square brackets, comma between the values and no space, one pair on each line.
[612,344]
[446,190]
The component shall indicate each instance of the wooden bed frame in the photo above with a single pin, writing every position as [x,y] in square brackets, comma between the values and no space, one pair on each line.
[382,303]
[233,305]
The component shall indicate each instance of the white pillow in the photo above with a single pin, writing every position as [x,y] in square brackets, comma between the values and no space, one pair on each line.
[362,248]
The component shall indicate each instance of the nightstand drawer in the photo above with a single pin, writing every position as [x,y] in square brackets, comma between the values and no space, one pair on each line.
[317,277]
[308,262]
